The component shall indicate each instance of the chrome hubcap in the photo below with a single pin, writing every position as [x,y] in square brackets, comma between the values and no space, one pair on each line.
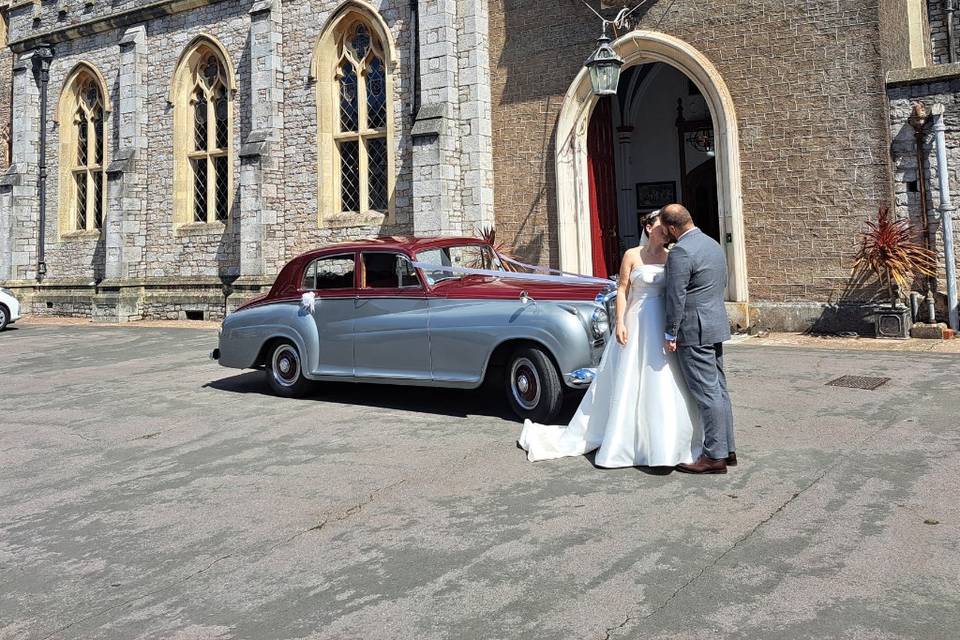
[525,383]
[286,365]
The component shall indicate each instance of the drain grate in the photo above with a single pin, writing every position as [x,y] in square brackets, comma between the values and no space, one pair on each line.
[868,383]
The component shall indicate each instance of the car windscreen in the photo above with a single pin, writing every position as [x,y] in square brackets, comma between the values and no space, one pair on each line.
[467,256]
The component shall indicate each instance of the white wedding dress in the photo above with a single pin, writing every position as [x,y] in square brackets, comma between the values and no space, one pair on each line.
[638,411]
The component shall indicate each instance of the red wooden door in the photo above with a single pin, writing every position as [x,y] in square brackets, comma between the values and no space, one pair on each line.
[601,171]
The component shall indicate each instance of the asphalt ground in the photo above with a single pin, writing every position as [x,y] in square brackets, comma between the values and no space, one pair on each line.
[146,492]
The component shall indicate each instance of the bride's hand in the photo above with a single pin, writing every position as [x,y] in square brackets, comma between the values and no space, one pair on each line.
[621,334]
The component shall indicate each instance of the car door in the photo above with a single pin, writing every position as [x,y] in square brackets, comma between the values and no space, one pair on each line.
[333,280]
[391,319]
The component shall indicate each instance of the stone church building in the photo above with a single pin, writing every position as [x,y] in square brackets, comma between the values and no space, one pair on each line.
[165,158]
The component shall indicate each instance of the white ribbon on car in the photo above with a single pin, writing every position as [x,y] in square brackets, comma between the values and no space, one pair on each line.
[564,278]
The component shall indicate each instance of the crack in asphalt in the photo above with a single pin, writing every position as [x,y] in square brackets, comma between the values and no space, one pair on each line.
[140,597]
[343,515]
[608,633]
[737,543]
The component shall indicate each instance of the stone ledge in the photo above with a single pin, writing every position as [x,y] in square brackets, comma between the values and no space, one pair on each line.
[102,24]
[923,75]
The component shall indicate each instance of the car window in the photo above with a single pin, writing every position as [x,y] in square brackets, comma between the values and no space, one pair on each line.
[476,256]
[388,271]
[335,272]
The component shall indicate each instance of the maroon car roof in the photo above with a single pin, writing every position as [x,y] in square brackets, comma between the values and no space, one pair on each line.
[408,244]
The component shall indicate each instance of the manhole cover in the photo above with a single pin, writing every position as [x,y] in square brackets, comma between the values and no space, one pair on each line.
[859,382]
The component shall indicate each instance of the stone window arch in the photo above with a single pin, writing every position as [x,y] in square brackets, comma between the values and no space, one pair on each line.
[82,114]
[202,96]
[353,69]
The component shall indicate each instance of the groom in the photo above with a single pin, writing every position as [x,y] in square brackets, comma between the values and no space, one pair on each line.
[697,327]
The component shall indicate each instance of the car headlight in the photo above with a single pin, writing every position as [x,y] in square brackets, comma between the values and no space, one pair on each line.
[7,291]
[600,323]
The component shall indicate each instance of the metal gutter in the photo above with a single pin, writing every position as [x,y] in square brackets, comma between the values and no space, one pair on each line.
[946,215]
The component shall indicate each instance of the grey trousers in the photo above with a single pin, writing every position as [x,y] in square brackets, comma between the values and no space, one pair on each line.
[702,369]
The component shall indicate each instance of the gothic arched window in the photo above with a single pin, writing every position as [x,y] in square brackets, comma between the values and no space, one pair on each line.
[203,122]
[352,70]
[83,148]
[362,136]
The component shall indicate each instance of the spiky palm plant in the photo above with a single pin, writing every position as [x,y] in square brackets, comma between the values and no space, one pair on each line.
[890,253]
[489,235]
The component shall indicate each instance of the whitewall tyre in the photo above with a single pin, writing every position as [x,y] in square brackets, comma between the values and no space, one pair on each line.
[533,386]
[285,371]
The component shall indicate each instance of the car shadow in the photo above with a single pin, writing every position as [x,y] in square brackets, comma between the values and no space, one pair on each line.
[488,400]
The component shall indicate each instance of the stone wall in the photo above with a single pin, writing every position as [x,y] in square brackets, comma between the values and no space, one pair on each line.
[937,16]
[931,91]
[807,86]
[136,46]
[6,93]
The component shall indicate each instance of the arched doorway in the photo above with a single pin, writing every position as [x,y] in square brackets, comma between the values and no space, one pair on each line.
[649,55]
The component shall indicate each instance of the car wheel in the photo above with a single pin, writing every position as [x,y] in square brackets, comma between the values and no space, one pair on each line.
[534,389]
[4,317]
[285,371]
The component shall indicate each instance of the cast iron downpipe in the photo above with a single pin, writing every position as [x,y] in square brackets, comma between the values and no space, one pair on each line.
[918,120]
[950,7]
[946,215]
[42,56]
[415,59]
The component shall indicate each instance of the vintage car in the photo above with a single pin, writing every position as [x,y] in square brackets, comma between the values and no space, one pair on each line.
[373,311]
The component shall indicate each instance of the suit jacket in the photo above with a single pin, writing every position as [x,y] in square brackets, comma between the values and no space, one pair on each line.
[696,279]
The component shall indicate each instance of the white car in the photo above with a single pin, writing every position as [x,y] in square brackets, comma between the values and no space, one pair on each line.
[9,308]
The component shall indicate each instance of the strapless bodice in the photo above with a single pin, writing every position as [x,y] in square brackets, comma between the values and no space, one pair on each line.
[648,276]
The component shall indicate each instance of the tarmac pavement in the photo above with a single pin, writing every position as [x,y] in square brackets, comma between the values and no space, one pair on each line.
[146,492]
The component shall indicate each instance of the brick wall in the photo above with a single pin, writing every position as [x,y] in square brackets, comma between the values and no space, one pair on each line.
[807,86]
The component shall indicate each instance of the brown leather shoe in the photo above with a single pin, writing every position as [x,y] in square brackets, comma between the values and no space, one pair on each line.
[732,459]
[704,465]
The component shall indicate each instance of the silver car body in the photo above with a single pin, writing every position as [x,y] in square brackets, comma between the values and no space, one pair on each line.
[417,337]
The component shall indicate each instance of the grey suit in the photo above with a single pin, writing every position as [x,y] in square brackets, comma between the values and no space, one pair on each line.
[697,317]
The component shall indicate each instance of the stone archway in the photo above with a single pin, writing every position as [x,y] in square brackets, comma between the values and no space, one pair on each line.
[641,47]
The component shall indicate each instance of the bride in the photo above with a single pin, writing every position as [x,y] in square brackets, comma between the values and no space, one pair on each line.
[638,411]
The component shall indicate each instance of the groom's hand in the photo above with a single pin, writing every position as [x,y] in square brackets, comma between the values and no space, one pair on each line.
[670,346]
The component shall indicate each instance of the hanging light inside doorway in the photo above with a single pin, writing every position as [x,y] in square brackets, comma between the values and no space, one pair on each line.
[702,141]
[604,66]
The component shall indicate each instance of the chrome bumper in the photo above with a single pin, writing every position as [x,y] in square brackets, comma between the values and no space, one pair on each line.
[581,378]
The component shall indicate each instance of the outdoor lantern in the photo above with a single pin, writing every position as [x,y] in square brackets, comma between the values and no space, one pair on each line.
[604,65]
[702,141]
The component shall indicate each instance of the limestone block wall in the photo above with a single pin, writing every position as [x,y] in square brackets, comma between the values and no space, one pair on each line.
[300,229]
[937,16]
[944,91]
[809,96]
[191,251]
[271,45]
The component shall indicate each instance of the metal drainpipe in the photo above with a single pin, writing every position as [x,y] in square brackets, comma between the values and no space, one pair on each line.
[951,7]
[43,54]
[946,214]
[918,120]
[415,59]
